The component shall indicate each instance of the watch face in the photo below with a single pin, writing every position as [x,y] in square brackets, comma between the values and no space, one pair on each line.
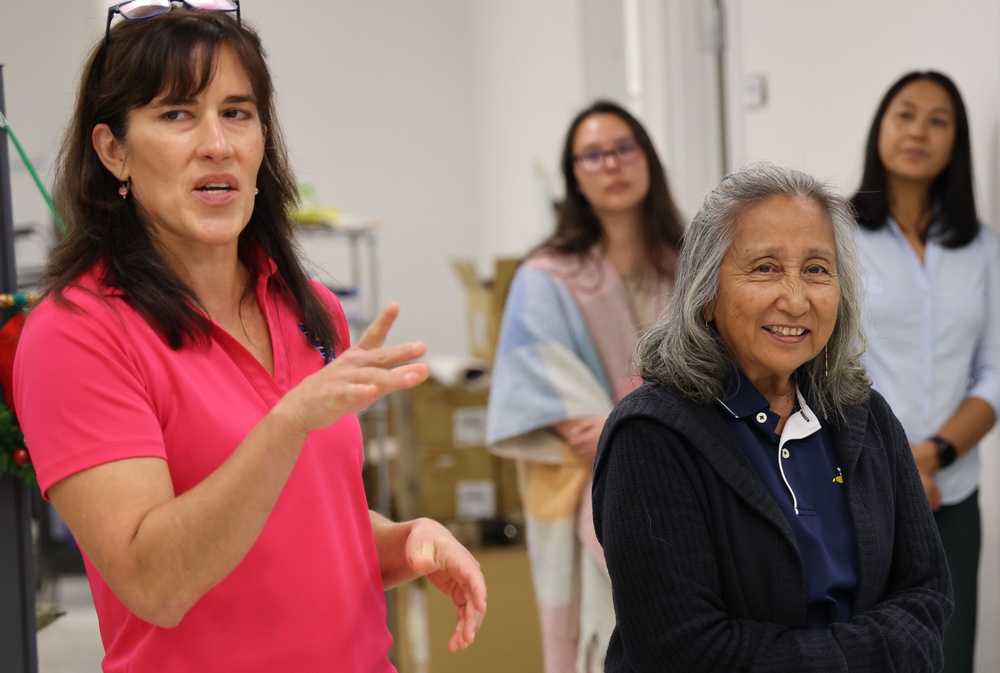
[946,451]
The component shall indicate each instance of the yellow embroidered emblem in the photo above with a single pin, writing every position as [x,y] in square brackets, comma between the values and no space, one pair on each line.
[840,477]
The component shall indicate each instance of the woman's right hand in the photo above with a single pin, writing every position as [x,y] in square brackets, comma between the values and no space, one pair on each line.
[581,436]
[358,377]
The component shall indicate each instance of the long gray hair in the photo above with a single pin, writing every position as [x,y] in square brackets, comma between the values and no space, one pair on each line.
[685,353]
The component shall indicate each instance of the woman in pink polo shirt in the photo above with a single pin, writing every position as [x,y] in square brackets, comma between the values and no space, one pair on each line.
[189,396]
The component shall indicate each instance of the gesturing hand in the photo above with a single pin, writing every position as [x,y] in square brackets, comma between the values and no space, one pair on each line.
[432,551]
[358,377]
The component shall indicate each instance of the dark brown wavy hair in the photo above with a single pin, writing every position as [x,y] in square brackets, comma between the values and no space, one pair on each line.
[577,226]
[169,55]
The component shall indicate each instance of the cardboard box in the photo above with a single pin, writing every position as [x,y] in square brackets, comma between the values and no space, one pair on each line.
[380,447]
[509,639]
[442,467]
[446,415]
[451,484]
[485,298]
[505,471]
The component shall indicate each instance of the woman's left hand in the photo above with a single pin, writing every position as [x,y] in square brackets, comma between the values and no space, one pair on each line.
[925,456]
[931,490]
[432,551]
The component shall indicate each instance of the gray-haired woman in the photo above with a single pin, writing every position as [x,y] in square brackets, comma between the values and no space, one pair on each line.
[757,502]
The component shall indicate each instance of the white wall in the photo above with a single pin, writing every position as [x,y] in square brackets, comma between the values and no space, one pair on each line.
[529,83]
[42,45]
[436,118]
[444,120]
[375,100]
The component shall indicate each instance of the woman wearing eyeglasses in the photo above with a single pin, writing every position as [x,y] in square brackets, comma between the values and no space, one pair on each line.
[573,313]
[189,396]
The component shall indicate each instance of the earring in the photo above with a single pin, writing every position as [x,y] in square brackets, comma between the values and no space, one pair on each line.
[826,361]
[123,190]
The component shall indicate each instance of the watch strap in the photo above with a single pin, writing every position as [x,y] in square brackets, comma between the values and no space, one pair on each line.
[946,451]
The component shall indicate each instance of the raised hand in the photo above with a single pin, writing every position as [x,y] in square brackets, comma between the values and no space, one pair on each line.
[357,377]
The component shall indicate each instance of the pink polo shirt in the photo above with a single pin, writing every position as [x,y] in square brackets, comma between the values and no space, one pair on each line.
[98,384]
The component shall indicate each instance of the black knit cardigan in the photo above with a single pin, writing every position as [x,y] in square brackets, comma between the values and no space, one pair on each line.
[705,570]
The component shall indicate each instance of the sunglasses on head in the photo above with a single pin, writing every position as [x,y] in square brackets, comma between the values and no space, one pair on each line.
[137,10]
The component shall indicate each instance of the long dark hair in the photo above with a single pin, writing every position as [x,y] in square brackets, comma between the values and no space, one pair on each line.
[173,55]
[577,226]
[952,190]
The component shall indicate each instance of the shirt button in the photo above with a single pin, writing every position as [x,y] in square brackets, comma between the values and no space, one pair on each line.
[761,417]
[785,453]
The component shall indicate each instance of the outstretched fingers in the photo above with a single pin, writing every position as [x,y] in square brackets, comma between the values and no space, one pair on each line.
[471,611]
[356,385]
[370,362]
[357,378]
[374,336]
[380,357]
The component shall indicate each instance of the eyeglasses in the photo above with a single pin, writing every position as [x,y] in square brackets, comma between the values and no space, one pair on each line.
[137,10]
[593,161]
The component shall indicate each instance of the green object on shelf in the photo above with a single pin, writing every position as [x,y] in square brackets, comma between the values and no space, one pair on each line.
[46,613]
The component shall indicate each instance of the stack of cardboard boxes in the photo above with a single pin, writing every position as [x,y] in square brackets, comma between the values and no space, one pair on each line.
[443,470]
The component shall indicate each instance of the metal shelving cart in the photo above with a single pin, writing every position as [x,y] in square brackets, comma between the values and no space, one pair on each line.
[18,648]
[351,243]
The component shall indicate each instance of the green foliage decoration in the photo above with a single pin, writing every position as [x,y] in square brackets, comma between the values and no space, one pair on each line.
[11,444]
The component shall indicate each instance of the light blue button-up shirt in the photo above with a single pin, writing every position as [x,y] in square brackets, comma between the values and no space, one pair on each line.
[934,335]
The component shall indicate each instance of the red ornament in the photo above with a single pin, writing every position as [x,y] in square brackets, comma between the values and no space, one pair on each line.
[9,335]
[21,457]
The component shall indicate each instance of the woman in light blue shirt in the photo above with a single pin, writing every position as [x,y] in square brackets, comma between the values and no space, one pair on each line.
[933,293]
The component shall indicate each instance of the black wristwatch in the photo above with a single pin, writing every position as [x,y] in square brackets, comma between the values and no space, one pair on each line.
[946,451]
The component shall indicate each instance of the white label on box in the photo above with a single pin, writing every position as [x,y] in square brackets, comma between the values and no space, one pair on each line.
[468,427]
[475,499]
[480,332]
[445,461]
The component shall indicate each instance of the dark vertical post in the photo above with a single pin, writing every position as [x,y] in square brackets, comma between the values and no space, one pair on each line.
[18,645]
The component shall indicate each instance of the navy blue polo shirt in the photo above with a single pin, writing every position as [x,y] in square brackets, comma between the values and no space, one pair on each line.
[801,471]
